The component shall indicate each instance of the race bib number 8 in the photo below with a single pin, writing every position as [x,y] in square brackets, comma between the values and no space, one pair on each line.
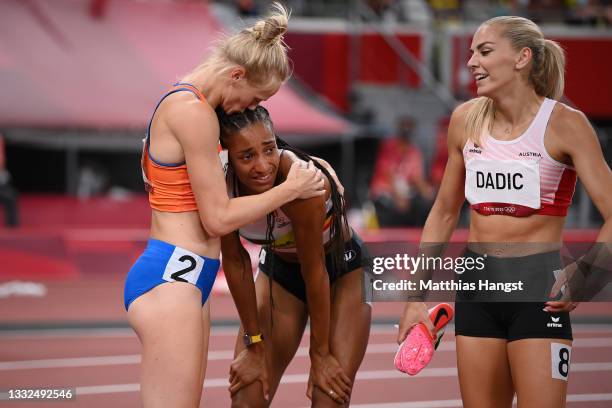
[560,356]
[183,266]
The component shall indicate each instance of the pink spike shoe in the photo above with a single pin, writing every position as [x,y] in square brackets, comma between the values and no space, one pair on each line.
[418,348]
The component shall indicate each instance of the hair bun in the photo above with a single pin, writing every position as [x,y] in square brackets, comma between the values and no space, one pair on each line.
[273,27]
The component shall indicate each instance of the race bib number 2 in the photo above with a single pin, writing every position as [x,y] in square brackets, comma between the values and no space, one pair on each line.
[560,356]
[183,266]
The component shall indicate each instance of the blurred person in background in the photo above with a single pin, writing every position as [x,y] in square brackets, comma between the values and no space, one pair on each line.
[590,12]
[166,290]
[401,194]
[547,11]
[93,180]
[440,157]
[515,126]
[247,8]
[446,9]
[381,11]
[310,266]
[438,165]
[8,195]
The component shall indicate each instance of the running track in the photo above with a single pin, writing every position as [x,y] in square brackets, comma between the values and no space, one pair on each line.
[57,338]
[103,366]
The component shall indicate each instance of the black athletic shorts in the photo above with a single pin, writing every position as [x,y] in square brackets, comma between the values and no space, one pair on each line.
[287,274]
[513,320]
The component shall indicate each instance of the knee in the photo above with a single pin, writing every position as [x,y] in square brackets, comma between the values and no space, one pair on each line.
[240,400]
[248,404]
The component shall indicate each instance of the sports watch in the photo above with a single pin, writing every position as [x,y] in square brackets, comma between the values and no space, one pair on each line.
[250,340]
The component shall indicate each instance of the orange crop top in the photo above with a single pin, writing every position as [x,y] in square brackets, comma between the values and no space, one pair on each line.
[168,184]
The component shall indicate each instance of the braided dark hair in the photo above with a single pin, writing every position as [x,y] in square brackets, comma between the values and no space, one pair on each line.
[236,122]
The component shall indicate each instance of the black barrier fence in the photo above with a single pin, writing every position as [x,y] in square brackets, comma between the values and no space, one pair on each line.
[488,272]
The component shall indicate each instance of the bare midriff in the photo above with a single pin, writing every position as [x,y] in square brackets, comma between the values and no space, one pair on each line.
[184,229]
[489,233]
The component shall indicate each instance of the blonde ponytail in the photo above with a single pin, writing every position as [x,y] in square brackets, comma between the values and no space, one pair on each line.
[548,77]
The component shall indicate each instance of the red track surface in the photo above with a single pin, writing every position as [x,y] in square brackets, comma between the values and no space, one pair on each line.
[103,364]
[90,260]
[112,378]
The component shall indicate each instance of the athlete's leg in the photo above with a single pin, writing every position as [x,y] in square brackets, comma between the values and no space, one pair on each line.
[281,339]
[539,375]
[350,329]
[168,322]
[205,338]
[484,373]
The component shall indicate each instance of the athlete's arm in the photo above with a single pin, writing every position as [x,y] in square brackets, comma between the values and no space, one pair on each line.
[250,364]
[444,213]
[443,216]
[196,128]
[307,218]
[239,274]
[575,138]
[578,140]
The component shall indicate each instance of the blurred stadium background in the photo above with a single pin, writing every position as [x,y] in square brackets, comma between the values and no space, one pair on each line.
[79,80]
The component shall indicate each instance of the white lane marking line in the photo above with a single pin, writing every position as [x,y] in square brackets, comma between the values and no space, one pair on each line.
[70,362]
[303,378]
[107,389]
[219,355]
[413,404]
[18,288]
[457,403]
[589,397]
[66,333]
[94,361]
[287,379]
[592,342]
[221,331]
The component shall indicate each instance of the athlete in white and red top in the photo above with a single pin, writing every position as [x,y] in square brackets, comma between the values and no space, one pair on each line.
[518,177]
[514,153]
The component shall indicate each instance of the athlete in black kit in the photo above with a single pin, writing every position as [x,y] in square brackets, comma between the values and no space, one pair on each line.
[310,266]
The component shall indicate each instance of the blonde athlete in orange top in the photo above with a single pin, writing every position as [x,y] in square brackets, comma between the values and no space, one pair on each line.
[170,282]
[508,347]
